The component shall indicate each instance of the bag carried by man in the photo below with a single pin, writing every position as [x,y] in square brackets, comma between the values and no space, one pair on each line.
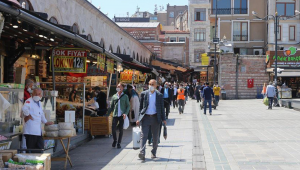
[136,137]
[266,101]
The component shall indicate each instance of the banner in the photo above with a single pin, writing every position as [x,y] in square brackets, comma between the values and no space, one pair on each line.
[102,61]
[142,77]
[204,59]
[126,76]
[110,65]
[69,60]
[250,83]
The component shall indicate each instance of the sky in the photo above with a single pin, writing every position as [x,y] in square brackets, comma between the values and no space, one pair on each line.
[119,8]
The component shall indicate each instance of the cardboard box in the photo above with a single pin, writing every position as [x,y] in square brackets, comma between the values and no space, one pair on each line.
[6,156]
[15,159]
[46,156]
[13,152]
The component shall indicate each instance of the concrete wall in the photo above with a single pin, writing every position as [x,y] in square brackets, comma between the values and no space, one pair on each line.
[176,10]
[173,52]
[250,67]
[89,19]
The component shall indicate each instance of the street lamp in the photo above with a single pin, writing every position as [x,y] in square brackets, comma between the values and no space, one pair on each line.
[276,19]
[215,41]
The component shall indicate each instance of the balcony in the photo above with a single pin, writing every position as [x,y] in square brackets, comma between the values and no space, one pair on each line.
[229,11]
[240,37]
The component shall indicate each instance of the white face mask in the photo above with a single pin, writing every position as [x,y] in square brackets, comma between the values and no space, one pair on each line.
[36,98]
[29,90]
[118,89]
[151,88]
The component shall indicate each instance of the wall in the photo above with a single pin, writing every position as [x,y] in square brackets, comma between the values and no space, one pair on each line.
[255,69]
[173,52]
[89,19]
[176,10]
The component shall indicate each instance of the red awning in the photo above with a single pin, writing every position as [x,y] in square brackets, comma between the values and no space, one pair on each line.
[137,67]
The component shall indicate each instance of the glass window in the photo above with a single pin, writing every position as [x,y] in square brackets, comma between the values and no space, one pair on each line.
[197,55]
[200,34]
[240,7]
[173,39]
[285,9]
[200,14]
[292,33]
[181,39]
[240,31]
[171,15]
[224,7]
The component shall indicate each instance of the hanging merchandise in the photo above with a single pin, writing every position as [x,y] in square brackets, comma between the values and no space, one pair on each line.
[110,65]
[127,76]
[142,77]
[119,67]
[102,62]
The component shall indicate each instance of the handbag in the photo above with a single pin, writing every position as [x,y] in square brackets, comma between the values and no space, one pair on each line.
[126,123]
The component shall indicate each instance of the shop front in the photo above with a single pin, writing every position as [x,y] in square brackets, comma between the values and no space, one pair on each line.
[288,71]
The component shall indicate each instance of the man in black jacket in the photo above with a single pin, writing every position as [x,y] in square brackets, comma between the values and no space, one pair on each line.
[101,99]
[167,95]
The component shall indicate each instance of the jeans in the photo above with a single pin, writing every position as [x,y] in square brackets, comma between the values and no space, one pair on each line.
[270,102]
[198,97]
[181,104]
[217,98]
[115,122]
[205,105]
[167,106]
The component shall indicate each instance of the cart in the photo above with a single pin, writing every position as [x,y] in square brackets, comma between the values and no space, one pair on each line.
[101,126]
[213,105]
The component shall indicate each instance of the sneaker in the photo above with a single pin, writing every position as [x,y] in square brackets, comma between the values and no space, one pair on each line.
[210,113]
[142,156]
[153,156]
[114,144]
[118,146]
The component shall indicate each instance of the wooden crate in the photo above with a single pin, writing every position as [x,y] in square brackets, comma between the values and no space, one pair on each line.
[87,122]
[101,125]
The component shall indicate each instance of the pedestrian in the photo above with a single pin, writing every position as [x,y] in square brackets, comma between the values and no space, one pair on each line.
[181,99]
[101,100]
[167,95]
[186,93]
[134,105]
[175,96]
[73,93]
[217,91]
[208,95]
[120,107]
[28,89]
[197,92]
[33,112]
[271,94]
[152,113]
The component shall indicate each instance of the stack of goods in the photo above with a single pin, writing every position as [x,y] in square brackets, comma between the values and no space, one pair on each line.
[31,161]
[66,129]
[52,130]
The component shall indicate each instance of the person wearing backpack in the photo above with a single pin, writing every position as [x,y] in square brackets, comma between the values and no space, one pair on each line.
[120,107]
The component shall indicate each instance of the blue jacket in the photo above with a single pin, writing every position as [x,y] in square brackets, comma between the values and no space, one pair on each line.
[207,93]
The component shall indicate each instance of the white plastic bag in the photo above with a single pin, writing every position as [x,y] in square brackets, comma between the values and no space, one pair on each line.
[126,123]
[136,137]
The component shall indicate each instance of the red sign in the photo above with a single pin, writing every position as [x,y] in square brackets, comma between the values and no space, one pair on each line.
[250,83]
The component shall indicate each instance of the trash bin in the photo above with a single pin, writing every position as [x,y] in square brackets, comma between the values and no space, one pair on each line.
[223,94]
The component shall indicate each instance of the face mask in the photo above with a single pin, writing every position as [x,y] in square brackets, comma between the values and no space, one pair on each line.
[151,88]
[166,86]
[96,93]
[36,98]
[118,89]
[29,90]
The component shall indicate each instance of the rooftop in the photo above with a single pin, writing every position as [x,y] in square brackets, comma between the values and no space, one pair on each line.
[138,24]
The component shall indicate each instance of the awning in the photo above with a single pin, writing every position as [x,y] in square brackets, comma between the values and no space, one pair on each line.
[289,74]
[137,67]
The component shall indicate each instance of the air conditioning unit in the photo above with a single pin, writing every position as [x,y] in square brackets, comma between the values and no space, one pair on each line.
[197,60]
[258,51]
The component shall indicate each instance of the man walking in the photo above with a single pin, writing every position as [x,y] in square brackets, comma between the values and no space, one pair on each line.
[208,95]
[175,96]
[152,113]
[120,107]
[167,95]
[197,92]
[181,99]
[217,91]
[270,93]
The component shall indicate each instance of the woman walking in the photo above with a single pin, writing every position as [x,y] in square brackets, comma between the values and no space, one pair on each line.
[181,99]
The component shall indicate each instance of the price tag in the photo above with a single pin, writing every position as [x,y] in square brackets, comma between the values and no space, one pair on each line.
[78,62]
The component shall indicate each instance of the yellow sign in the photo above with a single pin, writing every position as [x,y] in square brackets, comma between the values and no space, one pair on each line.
[143,77]
[126,76]
[110,65]
[205,59]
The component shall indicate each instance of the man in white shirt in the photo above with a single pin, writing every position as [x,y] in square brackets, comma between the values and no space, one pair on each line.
[33,111]
[270,93]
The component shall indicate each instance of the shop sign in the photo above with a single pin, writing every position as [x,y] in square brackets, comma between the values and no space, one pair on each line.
[110,65]
[204,59]
[127,76]
[69,60]
[101,61]
[93,70]
[289,58]
[142,77]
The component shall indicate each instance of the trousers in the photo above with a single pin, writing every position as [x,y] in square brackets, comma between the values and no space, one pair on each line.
[115,122]
[167,106]
[181,104]
[209,105]
[34,142]
[175,101]
[270,102]
[148,123]
[217,100]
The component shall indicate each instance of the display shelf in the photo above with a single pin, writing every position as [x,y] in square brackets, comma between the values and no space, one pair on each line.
[11,90]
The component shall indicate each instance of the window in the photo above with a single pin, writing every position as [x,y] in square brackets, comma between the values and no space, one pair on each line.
[197,55]
[285,9]
[200,14]
[200,34]
[224,7]
[279,32]
[53,20]
[181,39]
[75,28]
[171,15]
[240,31]
[292,33]
[240,6]
[173,39]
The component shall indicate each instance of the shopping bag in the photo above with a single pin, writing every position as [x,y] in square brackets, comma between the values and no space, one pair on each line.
[165,131]
[266,101]
[136,137]
[126,123]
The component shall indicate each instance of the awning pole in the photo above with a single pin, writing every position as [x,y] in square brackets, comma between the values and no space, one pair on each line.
[53,76]
[110,77]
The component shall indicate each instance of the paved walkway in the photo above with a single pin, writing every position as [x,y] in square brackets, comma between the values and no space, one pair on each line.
[240,135]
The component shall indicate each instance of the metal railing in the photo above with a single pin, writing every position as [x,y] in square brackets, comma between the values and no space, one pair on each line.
[229,11]
[240,37]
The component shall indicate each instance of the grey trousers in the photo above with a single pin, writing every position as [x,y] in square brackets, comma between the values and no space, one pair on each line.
[181,104]
[147,123]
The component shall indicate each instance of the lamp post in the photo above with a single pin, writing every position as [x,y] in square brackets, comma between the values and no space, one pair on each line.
[215,61]
[276,19]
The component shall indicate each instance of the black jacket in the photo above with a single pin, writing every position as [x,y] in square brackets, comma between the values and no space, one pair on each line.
[101,99]
[170,92]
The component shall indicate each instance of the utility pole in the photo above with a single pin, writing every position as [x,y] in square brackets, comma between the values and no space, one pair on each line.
[215,61]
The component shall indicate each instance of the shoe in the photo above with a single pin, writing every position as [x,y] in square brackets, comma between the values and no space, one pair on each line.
[205,113]
[142,156]
[210,113]
[118,146]
[153,156]
[114,144]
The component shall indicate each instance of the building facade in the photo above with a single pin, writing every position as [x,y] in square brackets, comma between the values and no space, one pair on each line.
[173,12]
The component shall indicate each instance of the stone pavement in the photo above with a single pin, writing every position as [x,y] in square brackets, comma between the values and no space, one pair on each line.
[174,153]
[240,135]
